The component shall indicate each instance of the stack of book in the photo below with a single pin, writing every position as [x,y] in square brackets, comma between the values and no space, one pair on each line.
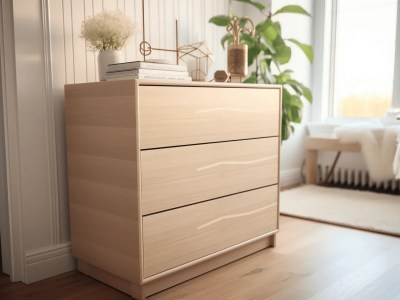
[147,70]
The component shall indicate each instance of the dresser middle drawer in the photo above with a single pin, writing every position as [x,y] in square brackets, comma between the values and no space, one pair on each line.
[178,176]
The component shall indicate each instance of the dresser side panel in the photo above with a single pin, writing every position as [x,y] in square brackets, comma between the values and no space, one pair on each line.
[102,174]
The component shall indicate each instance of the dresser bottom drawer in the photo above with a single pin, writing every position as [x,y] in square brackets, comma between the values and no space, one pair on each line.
[179,236]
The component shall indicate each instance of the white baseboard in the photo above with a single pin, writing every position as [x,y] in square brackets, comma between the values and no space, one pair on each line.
[47,262]
[290,177]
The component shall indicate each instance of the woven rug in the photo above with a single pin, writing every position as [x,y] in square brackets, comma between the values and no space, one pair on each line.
[356,209]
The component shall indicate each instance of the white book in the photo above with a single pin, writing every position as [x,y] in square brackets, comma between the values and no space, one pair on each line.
[149,76]
[147,71]
[145,65]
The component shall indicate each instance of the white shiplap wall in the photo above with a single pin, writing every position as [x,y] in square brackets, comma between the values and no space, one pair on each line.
[80,65]
[73,63]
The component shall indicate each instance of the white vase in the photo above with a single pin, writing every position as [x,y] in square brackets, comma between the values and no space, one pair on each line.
[105,58]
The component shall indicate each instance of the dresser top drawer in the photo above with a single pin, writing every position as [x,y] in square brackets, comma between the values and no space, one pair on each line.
[174,116]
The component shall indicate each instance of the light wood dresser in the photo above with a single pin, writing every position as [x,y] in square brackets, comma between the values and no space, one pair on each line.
[167,180]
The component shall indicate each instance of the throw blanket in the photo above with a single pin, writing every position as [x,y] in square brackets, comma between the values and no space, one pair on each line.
[396,163]
[378,145]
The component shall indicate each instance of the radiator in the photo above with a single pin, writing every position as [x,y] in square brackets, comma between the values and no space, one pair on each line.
[356,179]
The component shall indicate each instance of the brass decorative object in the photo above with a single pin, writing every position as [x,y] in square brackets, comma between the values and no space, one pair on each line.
[237,52]
[198,59]
[145,48]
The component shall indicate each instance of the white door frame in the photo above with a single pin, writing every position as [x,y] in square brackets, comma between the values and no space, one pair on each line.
[10,206]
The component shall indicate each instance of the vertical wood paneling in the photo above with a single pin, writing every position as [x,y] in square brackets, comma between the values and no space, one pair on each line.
[152,27]
[139,35]
[77,16]
[80,64]
[97,6]
[169,27]
[132,11]
[202,19]
[161,26]
[121,5]
[183,25]
[196,9]
[58,54]
[68,41]
[90,55]
[110,5]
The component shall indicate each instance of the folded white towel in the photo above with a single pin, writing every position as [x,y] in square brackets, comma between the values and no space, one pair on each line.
[396,162]
[378,146]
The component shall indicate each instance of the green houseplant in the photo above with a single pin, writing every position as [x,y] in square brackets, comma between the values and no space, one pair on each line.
[270,52]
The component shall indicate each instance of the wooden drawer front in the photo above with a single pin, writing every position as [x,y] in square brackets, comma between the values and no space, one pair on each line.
[182,235]
[172,116]
[179,176]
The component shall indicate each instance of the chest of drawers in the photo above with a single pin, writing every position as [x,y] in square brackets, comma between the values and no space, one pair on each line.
[169,181]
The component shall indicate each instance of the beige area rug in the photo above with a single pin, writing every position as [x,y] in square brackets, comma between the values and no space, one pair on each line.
[356,209]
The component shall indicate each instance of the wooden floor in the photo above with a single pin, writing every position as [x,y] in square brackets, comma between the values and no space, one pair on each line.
[311,261]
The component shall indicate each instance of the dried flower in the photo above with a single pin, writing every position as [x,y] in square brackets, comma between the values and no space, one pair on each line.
[107,31]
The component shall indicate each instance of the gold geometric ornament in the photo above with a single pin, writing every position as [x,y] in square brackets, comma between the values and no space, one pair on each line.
[198,59]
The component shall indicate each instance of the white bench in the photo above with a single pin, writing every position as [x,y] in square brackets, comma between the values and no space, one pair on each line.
[314,144]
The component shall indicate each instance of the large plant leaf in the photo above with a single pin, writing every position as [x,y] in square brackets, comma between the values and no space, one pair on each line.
[221,20]
[268,46]
[278,27]
[307,93]
[307,49]
[301,89]
[294,9]
[284,129]
[292,107]
[283,77]
[252,54]
[296,101]
[258,5]
[295,112]
[248,39]
[267,30]
[283,52]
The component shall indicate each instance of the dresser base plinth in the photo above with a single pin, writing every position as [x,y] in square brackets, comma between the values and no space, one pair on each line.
[157,285]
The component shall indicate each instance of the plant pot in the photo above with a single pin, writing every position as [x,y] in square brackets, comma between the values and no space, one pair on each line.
[237,60]
[105,58]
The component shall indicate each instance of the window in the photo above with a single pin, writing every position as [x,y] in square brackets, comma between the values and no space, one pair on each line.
[360,53]
[364,57]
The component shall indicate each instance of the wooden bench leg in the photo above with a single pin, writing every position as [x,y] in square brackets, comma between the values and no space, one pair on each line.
[311,166]
[332,169]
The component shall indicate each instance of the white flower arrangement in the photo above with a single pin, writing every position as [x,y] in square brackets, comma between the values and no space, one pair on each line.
[107,31]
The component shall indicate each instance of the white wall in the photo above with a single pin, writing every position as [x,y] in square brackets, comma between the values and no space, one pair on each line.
[49,53]
[298,27]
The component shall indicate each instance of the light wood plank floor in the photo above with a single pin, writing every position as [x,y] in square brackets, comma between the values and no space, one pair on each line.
[311,261]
